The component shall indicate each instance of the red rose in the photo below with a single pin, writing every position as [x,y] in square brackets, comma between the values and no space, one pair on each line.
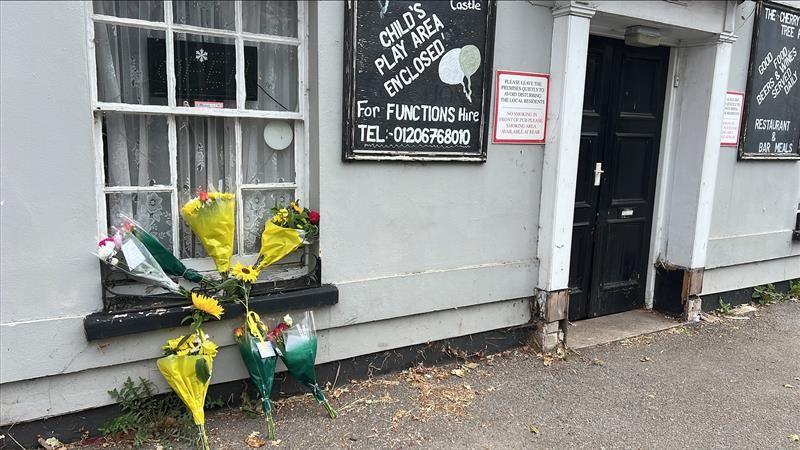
[313,217]
[203,195]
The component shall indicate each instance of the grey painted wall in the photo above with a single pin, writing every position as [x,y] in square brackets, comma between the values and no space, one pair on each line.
[406,243]
[755,201]
[419,252]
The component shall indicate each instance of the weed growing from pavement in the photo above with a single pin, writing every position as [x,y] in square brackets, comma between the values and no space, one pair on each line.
[767,295]
[147,417]
[724,308]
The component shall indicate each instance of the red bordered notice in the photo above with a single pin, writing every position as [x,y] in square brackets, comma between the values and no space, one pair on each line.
[520,107]
[732,119]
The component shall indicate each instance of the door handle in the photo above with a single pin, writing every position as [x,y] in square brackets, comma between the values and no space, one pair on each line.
[598,172]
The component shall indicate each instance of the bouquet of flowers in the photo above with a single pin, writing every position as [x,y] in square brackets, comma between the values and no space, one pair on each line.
[296,344]
[124,251]
[188,362]
[188,359]
[260,359]
[211,216]
[168,262]
[288,228]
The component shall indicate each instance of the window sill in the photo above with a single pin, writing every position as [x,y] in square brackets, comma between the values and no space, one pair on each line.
[102,325]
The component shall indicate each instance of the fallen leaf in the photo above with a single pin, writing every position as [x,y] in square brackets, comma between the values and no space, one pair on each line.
[533,429]
[645,359]
[598,362]
[788,386]
[50,443]
[794,438]
[254,440]
[458,372]
[471,366]
[275,443]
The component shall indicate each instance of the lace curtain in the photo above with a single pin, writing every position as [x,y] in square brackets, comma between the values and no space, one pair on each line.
[136,145]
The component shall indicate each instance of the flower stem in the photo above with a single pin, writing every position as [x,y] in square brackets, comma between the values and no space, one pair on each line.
[270,422]
[204,445]
[329,409]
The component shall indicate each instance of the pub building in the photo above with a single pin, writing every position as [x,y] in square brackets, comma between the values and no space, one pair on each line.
[483,169]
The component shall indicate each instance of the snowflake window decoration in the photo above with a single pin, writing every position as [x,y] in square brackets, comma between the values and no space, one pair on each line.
[201,55]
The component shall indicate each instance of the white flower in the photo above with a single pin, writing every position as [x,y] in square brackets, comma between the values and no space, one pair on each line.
[106,250]
[201,55]
[287,319]
[114,261]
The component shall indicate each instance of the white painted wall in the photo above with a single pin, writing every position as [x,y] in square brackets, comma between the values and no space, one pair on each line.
[755,202]
[419,252]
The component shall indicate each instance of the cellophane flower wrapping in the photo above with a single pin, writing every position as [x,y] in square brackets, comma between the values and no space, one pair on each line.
[124,251]
[187,369]
[212,218]
[180,372]
[168,262]
[276,243]
[297,348]
[260,359]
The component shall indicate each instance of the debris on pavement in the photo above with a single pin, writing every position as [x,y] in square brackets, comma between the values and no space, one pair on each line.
[254,440]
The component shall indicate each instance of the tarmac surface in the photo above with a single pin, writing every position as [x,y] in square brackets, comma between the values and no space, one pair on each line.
[734,383]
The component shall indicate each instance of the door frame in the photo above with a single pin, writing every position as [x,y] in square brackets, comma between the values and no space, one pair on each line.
[697,80]
[658,186]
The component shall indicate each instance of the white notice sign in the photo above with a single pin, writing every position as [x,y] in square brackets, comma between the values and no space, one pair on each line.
[731,119]
[520,107]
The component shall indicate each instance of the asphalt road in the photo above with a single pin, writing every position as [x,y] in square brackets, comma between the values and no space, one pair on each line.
[731,384]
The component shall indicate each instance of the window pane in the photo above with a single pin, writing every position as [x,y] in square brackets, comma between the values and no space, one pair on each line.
[267,151]
[153,210]
[277,17]
[152,10]
[275,88]
[136,149]
[205,71]
[256,212]
[206,161]
[209,14]
[124,66]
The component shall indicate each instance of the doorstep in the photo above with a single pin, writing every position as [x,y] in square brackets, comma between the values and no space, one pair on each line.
[615,327]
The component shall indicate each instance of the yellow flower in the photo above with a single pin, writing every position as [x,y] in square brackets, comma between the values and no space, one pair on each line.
[208,305]
[208,348]
[278,219]
[248,274]
[185,348]
[296,207]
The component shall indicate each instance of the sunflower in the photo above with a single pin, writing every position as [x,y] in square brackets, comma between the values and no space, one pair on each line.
[248,274]
[207,304]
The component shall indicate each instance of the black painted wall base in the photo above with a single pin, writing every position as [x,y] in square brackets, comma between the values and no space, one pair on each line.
[739,296]
[70,427]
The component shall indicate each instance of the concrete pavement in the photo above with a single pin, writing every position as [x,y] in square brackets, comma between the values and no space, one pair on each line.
[731,384]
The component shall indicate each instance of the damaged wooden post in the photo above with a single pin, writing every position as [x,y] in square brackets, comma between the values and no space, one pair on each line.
[570,43]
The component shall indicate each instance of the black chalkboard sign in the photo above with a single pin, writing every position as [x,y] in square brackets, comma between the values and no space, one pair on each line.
[417,79]
[772,104]
[203,70]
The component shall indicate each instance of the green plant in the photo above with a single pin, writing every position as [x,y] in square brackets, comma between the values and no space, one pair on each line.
[725,308]
[147,416]
[794,289]
[251,407]
[766,295]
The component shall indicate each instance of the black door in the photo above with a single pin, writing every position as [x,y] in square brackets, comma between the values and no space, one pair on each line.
[620,134]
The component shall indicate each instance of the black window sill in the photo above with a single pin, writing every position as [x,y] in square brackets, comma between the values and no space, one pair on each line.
[102,325]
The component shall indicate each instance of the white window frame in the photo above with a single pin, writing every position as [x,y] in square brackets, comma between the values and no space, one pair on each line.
[171,110]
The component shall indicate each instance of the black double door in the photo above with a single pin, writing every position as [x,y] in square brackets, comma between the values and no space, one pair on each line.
[620,136]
